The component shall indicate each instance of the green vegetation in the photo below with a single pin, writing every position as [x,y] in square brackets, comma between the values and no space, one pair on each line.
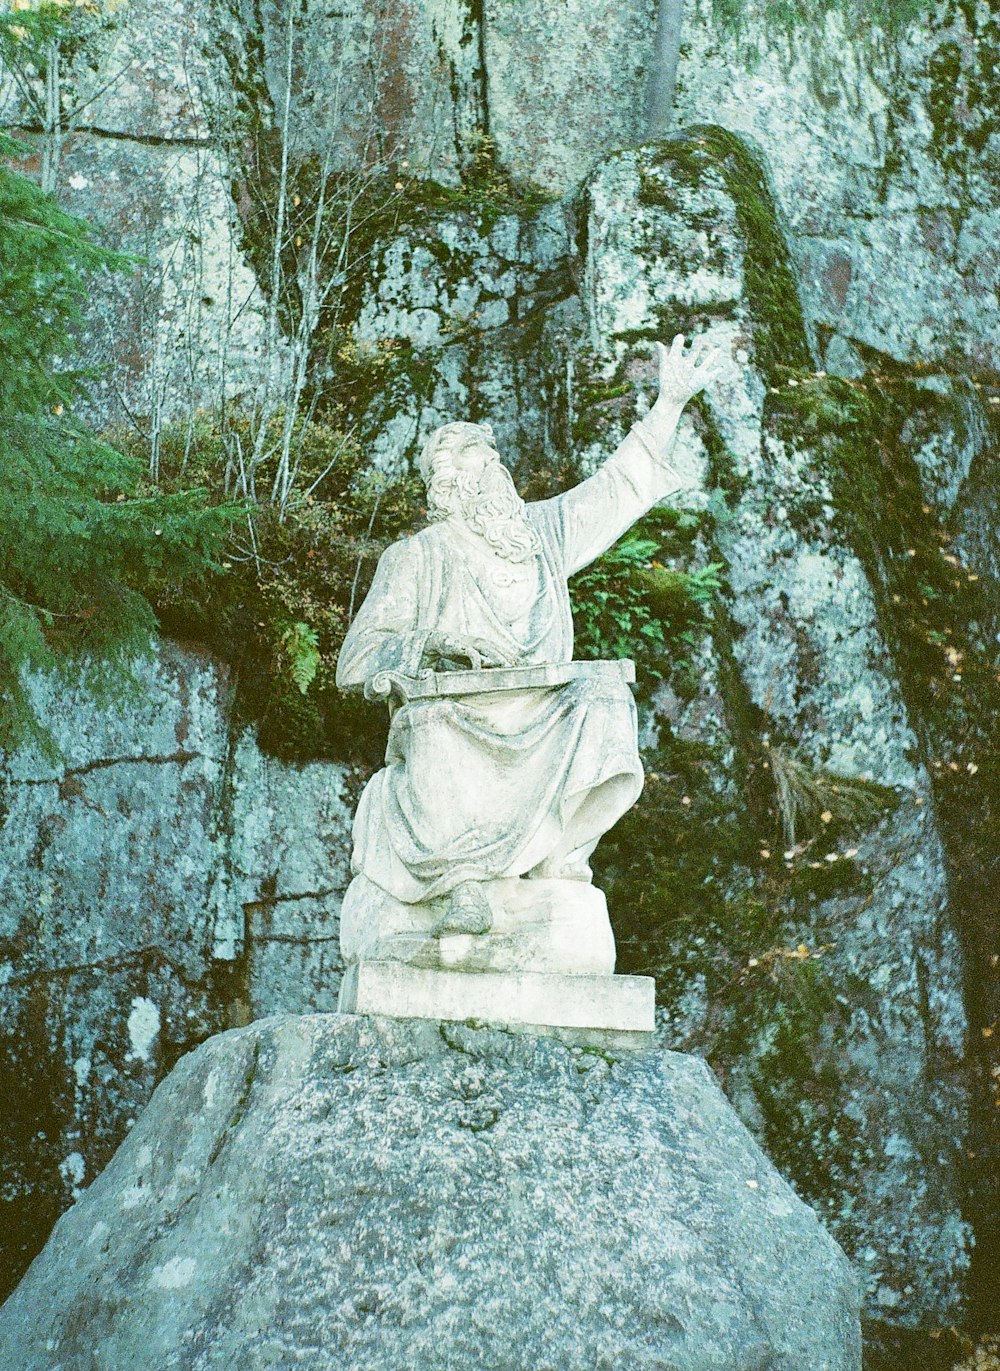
[86,544]
[629,604]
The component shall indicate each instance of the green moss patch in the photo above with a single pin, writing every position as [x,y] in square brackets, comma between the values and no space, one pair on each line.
[769,280]
[940,621]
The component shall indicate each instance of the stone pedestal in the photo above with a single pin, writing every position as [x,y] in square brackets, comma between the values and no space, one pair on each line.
[558,926]
[597,1011]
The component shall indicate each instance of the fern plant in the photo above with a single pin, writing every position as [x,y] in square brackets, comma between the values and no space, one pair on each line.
[628,604]
[301,655]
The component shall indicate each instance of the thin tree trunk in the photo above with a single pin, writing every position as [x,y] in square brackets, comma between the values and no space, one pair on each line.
[52,135]
[663,76]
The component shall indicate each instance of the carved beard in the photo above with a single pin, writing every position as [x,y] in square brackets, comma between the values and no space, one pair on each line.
[489,504]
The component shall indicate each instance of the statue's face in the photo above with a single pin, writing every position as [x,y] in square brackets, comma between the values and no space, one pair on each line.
[468,482]
[474,455]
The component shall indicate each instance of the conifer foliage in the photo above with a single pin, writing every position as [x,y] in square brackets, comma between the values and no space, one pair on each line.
[84,547]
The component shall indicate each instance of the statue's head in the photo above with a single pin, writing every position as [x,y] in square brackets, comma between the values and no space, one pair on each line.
[441,447]
[466,480]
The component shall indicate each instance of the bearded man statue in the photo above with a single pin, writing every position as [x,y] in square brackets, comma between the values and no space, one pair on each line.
[472,845]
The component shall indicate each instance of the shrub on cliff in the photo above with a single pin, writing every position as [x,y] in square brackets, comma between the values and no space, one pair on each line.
[82,542]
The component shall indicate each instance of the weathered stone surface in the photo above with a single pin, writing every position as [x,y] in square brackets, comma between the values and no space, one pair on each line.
[162,881]
[803,631]
[565,83]
[954,437]
[538,925]
[882,148]
[371,79]
[136,88]
[185,331]
[881,151]
[453,313]
[141,154]
[376,1194]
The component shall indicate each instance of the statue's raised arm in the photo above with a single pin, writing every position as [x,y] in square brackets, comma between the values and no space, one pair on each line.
[506,761]
[595,514]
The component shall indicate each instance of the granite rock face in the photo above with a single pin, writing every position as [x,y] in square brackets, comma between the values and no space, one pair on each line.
[506,316]
[819,702]
[882,147]
[465,311]
[164,880]
[143,158]
[565,82]
[336,1191]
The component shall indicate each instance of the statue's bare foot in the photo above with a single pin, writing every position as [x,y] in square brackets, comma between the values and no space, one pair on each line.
[468,911]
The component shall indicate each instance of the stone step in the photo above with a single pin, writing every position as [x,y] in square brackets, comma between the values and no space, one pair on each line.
[587,1010]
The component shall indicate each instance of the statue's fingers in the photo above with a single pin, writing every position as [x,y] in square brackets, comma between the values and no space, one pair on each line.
[662,356]
[491,656]
[709,356]
[670,357]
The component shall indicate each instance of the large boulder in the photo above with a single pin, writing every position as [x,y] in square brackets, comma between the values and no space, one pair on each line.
[336,1191]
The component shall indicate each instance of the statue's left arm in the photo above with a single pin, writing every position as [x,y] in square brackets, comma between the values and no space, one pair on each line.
[596,513]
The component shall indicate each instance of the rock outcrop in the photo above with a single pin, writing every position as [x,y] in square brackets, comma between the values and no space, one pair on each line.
[882,146]
[162,881]
[332,1191]
[881,143]
[681,234]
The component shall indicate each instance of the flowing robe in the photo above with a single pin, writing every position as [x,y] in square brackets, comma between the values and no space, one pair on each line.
[488,786]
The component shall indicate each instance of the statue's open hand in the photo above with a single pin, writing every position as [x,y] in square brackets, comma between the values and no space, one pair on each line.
[448,652]
[685,374]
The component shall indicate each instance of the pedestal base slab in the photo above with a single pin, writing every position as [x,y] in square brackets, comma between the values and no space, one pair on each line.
[592,1011]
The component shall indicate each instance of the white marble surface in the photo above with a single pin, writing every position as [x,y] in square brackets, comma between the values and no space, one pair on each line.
[506,761]
[537,925]
[600,1010]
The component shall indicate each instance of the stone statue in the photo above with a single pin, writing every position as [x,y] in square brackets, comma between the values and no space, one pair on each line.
[506,761]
